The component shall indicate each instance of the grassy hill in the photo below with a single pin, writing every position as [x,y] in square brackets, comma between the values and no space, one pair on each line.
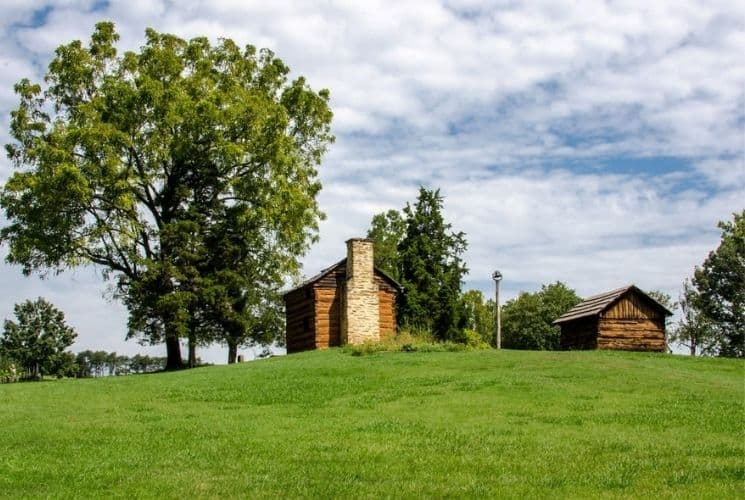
[321,424]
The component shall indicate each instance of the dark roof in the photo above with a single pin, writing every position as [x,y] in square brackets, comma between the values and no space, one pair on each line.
[592,306]
[332,267]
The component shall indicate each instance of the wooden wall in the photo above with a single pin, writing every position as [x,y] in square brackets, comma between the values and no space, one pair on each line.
[300,321]
[313,312]
[328,317]
[632,334]
[633,306]
[387,309]
[632,323]
[580,334]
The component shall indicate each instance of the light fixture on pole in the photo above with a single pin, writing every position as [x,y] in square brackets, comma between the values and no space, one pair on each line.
[497,277]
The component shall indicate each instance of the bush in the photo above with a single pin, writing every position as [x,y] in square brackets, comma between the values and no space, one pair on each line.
[409,339]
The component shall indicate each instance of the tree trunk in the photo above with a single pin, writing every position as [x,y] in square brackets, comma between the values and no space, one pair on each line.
[173,353]
[693,348]
[232,352]
[192,350]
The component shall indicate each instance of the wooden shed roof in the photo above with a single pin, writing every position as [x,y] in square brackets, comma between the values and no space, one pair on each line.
[596,304]
[333,267]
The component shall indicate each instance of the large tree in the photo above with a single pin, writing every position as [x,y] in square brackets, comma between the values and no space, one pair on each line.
[693,330]
[138,163]
[431,268]
[720,288]
[527,320]
[38,338]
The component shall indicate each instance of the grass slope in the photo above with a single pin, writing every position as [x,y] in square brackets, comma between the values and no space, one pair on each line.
[324,424]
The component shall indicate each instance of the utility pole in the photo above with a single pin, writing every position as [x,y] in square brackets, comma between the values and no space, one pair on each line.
[497,277]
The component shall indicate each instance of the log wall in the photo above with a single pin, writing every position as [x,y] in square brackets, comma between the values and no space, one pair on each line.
[632,334]
[387,311]
[314,312]
[300,321]
[328,317]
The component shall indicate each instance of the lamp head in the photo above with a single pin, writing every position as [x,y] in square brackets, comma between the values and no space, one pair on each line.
[496,276]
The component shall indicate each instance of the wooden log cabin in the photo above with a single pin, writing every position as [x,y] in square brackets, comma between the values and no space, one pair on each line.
[350,302]
[626,318]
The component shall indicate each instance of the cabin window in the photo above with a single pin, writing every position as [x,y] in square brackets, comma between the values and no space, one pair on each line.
[306,325]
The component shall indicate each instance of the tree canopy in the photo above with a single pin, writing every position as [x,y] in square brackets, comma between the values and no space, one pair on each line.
[527,319]
[713,302]
[720,288]
[480,315]
[37,339]
[187,171]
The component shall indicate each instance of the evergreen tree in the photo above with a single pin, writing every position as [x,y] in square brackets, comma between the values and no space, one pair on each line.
[387,231]
[431,269]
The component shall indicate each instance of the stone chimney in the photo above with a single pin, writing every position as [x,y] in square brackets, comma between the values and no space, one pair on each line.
[361,320]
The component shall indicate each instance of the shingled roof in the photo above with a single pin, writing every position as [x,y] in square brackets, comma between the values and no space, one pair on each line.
[592,306]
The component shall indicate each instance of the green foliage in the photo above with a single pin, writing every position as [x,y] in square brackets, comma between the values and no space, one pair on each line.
[480,315]
[101,363]
[37,341]
[8,370]
[527,320]
[720,289]
[418,340]
[473,424]
[387,230]
[431,268]
[693,330]
[186,171]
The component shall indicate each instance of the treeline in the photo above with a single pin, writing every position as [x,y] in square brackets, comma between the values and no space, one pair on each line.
[102,363]
[418,248]
[34,346]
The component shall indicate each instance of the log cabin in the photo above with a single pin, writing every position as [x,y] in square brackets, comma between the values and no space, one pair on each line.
[626,318]
[350,302]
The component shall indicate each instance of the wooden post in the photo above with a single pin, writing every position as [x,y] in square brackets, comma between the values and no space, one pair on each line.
[497,277]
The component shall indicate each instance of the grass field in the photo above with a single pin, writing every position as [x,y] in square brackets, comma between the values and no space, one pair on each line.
[328,424]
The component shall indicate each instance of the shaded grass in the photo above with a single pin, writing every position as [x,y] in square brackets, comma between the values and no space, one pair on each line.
[437,424]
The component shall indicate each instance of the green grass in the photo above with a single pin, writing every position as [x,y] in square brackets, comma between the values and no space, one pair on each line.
[434,424]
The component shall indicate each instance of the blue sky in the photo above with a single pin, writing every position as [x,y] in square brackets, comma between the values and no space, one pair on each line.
[596,144]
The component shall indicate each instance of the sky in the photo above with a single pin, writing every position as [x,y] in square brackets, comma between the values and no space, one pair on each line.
[596,143]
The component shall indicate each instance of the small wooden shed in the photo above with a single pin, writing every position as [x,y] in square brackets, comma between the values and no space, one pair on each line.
[626,318]
[350,302]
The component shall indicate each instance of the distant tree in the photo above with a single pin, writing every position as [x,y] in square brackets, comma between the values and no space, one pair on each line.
[479,315]
[666,300]
[8,370]
[37,341]
[387,231]
[64,365]
[720,288]
[693,330]
[526,320]
[432,269]
[83,361]
[137,163]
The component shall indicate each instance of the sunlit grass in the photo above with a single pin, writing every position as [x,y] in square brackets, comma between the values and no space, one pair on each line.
[396,424]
